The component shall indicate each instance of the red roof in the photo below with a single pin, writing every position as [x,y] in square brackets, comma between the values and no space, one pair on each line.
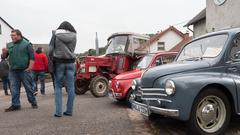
[176,48]
[179,46]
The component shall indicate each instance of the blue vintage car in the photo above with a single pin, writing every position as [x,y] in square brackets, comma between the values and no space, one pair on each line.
[201,87]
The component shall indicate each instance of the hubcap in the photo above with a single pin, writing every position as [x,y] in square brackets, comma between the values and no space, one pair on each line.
[211,114]
[101,87]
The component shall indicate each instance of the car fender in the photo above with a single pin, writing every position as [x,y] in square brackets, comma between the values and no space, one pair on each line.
[188,87]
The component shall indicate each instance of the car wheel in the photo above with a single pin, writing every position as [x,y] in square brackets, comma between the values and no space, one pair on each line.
[129,98]
[81,87]
[99,86]
[211,113]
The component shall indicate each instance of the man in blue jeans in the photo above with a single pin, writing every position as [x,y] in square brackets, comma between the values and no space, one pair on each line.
[21,59]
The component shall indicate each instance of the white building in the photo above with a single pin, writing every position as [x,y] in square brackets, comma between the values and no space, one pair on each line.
[5,30]
[170,39]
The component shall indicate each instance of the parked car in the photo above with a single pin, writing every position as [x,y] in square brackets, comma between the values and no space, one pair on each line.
[120,86]
[201,87]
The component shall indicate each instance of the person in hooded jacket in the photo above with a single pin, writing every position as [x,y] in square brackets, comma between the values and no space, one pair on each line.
[40,66]
[61,54]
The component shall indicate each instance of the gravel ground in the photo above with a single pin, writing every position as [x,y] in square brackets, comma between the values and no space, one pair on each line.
[92,116]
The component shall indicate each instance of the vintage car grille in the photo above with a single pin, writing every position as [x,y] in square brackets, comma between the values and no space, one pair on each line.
[154,94]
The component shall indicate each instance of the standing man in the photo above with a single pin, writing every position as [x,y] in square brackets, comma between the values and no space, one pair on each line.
[39,67]
[21,59]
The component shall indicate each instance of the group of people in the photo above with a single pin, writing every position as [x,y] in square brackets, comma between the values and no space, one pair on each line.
[23,66]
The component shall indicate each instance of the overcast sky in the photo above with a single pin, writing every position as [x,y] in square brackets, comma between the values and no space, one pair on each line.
[37,18]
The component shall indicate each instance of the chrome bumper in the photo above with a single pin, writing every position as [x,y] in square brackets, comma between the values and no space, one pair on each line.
[161,111]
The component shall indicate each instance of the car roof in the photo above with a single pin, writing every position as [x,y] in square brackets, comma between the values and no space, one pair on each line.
[223,31]
[163,53]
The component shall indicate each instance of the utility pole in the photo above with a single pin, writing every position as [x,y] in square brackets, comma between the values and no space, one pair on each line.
[97,45]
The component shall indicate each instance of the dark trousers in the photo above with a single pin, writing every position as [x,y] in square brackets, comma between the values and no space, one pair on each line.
[6,84]
[39,75]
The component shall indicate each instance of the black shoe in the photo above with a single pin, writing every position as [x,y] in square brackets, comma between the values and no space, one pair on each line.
[67,114]
[55,115]
[13,108]
[34,106]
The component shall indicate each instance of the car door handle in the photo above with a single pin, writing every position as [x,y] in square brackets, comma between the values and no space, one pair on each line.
[233,69]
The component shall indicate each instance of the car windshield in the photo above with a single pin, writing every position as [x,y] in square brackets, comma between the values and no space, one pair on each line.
[117,44]
[145,62]
[209,47]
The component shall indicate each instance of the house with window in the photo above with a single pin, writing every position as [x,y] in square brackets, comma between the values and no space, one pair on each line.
[170,39]
[5,30]
[218,15]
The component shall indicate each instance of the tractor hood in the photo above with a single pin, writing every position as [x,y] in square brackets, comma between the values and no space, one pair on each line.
[129,75]
[152,74]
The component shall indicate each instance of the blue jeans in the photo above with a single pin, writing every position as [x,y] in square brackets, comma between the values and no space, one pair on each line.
[64,71]
[26,78]
[39,75]
[6,84]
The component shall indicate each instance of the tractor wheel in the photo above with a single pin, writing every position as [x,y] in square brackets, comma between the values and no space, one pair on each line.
[99,86]
[81,87]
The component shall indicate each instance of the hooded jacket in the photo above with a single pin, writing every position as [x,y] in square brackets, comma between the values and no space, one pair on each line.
[62,46]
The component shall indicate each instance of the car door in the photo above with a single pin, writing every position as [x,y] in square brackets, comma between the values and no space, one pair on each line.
[233,64]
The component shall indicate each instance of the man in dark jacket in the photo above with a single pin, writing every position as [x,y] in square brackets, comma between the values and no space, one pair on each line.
[21,59]
[4,68]
[61,53]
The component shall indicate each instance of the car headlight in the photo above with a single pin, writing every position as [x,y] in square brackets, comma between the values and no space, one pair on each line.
[117,84]
[134,84]
[170,87]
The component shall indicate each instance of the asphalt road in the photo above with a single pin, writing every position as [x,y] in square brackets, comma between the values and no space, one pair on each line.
[92,116]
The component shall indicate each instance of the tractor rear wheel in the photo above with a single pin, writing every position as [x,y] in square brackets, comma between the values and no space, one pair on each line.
[81,87]
[99,86]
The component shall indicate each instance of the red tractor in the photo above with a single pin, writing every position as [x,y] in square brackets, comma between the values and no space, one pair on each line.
[94,72]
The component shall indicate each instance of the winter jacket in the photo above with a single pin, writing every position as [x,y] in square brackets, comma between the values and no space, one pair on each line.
[62,46]
[41,62]
[19,54]
[4,68]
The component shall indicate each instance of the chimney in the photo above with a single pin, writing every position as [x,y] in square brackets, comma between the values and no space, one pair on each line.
[97,45]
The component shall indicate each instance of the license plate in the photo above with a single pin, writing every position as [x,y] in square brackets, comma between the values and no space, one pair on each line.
[142,109]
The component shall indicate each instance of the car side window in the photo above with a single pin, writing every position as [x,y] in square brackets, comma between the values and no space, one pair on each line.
[164,60]
[235,50]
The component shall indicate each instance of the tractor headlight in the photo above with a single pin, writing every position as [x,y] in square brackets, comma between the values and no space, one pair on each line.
[82,70]
[170,87]
[134,84]
[92,69]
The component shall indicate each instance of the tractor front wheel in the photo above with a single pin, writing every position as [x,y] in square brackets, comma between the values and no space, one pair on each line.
[99,86]
[81,87]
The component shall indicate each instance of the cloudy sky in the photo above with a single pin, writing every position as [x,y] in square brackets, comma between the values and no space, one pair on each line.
[36,18]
